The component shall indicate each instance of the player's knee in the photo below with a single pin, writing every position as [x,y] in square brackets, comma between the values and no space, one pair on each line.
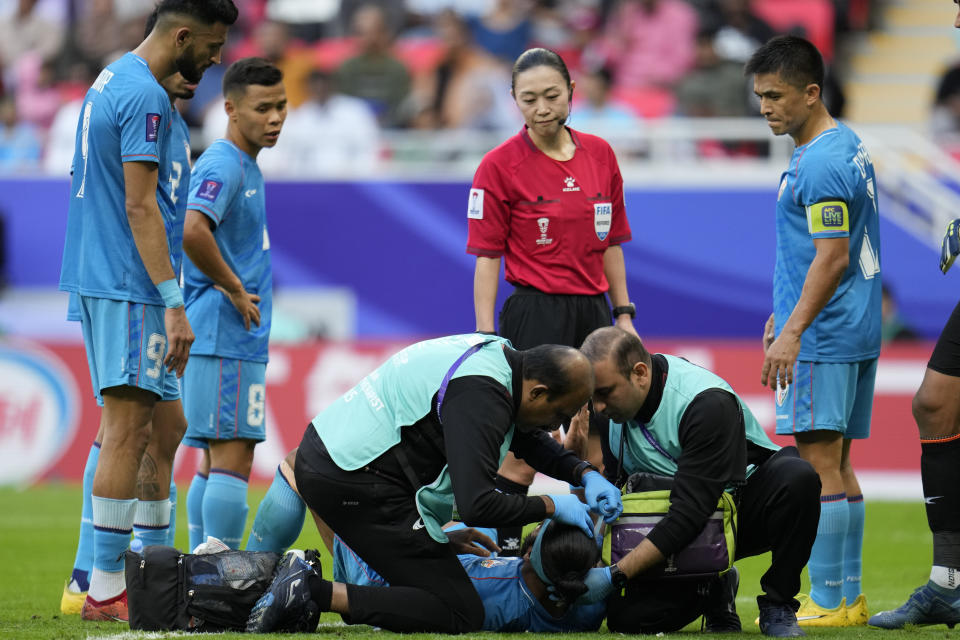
[932,413]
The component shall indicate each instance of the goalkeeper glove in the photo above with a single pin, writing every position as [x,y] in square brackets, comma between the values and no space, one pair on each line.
[950,246]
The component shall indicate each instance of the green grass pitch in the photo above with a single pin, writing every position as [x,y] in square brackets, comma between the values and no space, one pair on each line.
[38,529]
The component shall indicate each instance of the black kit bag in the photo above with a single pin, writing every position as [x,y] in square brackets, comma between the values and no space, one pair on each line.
[169,590]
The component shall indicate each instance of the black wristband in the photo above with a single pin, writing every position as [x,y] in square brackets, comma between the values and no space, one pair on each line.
[618,577]
[628,308]
[579,470]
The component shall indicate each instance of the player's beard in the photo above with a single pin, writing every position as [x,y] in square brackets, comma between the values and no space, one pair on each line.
[187,66]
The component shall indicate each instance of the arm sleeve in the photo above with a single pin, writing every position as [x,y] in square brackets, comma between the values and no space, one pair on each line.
[488,212]
[713,443]
[546,455]
[477,412]
[619,225]
[213,184]
[143,119]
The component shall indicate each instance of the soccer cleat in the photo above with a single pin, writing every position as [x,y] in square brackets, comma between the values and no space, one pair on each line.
[927,605]
[778,621]
[287,606]
[112,610]
[721,610]
[71,602]
[810,614]
[857,612]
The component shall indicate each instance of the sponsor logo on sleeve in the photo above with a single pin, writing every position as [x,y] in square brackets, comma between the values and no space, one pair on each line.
[832,216]
[475,206]
[153,126]
[209,190]
[602,217]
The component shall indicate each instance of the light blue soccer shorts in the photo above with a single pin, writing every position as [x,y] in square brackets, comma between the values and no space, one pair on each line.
[828,396]
[126,343]
[223,399]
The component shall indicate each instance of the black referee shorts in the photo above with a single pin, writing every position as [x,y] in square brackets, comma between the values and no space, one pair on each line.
[530,318]
[946,355]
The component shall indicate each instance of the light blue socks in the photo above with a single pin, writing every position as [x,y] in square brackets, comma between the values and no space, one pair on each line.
[826,558]
[112,525]
[83,562]
[225,507]
[195,493]
[172,534]
[853,550]
[279,518]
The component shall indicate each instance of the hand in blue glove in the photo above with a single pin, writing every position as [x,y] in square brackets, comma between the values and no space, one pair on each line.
[599,586]
[950,247]
[569,510]
[602,496]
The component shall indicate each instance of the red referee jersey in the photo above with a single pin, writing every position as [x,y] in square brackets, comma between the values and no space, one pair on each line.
[551,220]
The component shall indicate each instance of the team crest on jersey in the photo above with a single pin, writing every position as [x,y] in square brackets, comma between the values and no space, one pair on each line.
[602,216]
[782,394]
[570,184]
[491,562]
[544,225]
[475,206]
[209,190]
[783,185]
[153,126]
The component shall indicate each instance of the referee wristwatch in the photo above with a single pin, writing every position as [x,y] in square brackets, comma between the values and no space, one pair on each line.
[618,577]
[627,308]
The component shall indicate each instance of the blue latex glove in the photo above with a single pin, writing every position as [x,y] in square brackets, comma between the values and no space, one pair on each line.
[599,586]
[950,246]
[569,510]
[602,496]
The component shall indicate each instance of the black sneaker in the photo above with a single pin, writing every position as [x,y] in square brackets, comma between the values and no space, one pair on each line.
[779,620]
[720,615]
[286,605]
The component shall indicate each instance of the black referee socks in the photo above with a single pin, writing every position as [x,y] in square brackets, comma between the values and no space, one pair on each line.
[940,471]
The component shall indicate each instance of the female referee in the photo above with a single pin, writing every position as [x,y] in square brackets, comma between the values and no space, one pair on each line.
[549,203]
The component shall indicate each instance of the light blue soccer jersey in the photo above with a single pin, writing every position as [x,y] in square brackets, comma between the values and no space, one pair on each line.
[125,118]
[830,191]
[177,188]
[508,604]
[226,185]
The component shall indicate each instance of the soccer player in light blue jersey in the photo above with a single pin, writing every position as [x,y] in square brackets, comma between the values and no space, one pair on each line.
[514,590]
[117,260]
[822,341]
[228,283]
[153,522]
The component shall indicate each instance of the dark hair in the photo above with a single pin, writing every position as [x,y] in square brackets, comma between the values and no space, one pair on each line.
[796,60]
[206,11]
[625,348]
[151,22]
[536,58]
[247,71]
[566,556]
[549,364]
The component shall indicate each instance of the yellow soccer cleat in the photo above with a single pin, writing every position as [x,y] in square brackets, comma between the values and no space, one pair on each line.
[857,614]
[71,602]
[811,614]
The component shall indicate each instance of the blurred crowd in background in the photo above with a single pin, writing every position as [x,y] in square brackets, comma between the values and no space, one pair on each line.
[357,68]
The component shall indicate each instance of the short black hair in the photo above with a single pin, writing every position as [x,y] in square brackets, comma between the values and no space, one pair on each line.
[206,11]
[566,556]
[539,57]
[151,22]
[625,348]
[549,364]
[247,71]
[796,59]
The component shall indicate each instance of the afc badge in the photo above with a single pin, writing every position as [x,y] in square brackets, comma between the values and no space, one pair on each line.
[602,217]
[475,207]
[543,224]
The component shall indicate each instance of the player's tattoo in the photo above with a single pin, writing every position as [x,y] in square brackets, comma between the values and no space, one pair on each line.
[148,479]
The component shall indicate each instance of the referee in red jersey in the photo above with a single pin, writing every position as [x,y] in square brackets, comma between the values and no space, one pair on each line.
[549,203]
